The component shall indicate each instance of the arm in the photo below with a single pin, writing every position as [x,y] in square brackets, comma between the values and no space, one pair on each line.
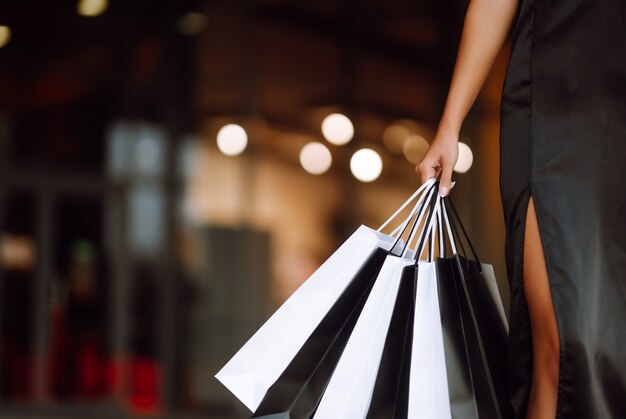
[487,23]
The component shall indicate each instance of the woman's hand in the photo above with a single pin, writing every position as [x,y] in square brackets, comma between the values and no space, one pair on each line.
[440,158]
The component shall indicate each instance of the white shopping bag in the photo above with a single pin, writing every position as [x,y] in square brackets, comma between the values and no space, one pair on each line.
[259,363]
[349,391]
[428,382]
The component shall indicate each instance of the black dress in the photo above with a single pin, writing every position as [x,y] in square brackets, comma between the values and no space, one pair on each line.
[563,140]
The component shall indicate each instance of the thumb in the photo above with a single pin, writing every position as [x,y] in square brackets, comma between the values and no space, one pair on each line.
[445,183]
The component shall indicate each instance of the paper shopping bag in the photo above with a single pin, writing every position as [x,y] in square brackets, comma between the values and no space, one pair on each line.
[475,341]
[349,390]
[257,365]
[428,394]
[296,393]
[390,398]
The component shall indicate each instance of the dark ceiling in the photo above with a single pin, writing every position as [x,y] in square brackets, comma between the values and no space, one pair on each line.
[284,61]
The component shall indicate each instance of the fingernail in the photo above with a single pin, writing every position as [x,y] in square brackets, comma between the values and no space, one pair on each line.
[443,191]
[452,185]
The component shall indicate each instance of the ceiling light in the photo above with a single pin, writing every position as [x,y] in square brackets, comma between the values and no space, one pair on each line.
[315,158]
[232,139]
[91,7]
[5,35]
[464,162]
[366,165]
[337,129]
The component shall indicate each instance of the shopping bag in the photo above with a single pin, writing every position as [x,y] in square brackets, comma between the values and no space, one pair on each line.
[390,397]
[297,391]
[472,313]
[350,389]
[412,378]
[266,355]
[429,397]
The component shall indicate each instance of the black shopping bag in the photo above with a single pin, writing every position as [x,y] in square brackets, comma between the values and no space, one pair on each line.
[475,338]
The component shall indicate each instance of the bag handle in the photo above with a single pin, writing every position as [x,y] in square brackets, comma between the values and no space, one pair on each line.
[428,224]
[442,222]
[417,193]
[418,211]
[448,203]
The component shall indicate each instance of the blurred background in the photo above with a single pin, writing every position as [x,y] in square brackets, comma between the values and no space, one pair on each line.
[172,170]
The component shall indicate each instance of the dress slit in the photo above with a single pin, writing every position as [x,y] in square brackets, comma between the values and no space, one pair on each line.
[551,286]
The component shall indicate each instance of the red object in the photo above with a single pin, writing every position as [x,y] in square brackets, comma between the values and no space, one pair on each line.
[88,363]
[145,380]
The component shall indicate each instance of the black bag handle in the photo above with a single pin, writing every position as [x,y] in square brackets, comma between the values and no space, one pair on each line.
[413,224]
[425,231]
[449,204]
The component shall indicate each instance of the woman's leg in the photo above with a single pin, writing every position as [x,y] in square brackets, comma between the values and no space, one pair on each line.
[545,337]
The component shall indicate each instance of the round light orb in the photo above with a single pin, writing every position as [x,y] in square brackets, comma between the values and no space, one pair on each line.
[192,23]
[337,129]
[464,162]
[394,137]
[366,165]
[315,158]
[232,139]
[414,148]
[5,35]
[91,7]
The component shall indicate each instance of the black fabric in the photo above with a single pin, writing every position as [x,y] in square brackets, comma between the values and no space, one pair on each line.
[391,390]
[298,390]
[474,342]
[563,141]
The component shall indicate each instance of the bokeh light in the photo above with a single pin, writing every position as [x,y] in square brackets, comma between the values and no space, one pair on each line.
[192,23]
[232,139]
[91,7]
[5,35]
[366,165]
[315,158]
[337,129]
[465,159]
[414,148]
[394,137]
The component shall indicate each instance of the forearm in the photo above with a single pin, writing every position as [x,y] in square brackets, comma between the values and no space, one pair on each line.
[487,23]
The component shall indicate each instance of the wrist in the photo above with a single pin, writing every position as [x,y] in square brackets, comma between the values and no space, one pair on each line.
[448,132]
[449,126]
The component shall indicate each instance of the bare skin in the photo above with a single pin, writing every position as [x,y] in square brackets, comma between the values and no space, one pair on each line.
[543,392]
[487,23]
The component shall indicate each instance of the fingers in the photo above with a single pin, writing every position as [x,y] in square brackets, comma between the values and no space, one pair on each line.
[445,183]
[427,169]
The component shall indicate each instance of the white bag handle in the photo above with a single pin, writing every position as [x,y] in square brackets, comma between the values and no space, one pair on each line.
[423,204]
[425,185]
[425,231]
[421,201]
